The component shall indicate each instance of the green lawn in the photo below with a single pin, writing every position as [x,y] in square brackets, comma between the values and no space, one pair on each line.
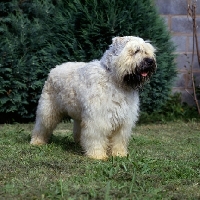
[163,163]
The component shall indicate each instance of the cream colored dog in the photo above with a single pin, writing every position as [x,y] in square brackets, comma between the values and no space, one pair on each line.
[100,96]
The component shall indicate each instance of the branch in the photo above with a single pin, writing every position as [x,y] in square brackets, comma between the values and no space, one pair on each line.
[192,13]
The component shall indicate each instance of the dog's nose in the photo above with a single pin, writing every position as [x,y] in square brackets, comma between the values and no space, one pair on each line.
[149,61]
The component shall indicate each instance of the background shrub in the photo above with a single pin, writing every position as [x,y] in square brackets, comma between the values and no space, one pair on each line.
[37,35]
[174,109]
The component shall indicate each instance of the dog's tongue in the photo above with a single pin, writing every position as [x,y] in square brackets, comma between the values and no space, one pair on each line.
[144,74]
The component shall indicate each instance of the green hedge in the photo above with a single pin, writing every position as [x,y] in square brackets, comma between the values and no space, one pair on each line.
[36,35]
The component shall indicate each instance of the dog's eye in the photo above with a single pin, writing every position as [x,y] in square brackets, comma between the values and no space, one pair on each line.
[137,51]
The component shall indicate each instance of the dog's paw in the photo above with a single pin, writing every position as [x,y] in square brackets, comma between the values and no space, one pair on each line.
[37,141]
[97,155]
[119,152]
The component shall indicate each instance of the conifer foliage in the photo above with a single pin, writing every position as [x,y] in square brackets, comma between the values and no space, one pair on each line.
[36,35]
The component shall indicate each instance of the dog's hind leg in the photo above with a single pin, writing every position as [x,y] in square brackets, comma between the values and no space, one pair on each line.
[47,117]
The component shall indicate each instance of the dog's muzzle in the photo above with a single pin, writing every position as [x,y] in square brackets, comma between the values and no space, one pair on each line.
[146,68]
[142,73]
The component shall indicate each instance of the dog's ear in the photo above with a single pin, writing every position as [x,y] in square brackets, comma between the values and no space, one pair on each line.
[118,44]
[120,41]
[115,48]
[117,40]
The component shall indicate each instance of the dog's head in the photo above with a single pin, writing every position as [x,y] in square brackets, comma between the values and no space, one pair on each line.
[131,60]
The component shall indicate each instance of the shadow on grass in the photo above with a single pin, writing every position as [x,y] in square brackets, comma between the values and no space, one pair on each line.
[66,143]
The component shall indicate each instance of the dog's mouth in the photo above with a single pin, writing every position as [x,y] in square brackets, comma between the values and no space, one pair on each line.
[144,74]
[141,74]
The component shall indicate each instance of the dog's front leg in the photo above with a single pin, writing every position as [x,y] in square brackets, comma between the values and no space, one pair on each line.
[94,140]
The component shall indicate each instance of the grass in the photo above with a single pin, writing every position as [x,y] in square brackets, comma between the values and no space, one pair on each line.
[163,163]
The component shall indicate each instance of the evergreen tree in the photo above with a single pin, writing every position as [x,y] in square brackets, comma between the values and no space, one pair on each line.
[36,35]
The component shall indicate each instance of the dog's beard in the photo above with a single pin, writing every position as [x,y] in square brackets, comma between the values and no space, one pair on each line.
[141,74]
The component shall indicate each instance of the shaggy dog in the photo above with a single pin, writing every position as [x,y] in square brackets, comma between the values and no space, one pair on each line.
[100,96]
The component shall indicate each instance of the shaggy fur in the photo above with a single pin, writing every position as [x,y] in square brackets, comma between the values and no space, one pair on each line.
[100,96]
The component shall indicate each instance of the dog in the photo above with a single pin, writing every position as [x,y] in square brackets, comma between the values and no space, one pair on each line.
[100,96]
